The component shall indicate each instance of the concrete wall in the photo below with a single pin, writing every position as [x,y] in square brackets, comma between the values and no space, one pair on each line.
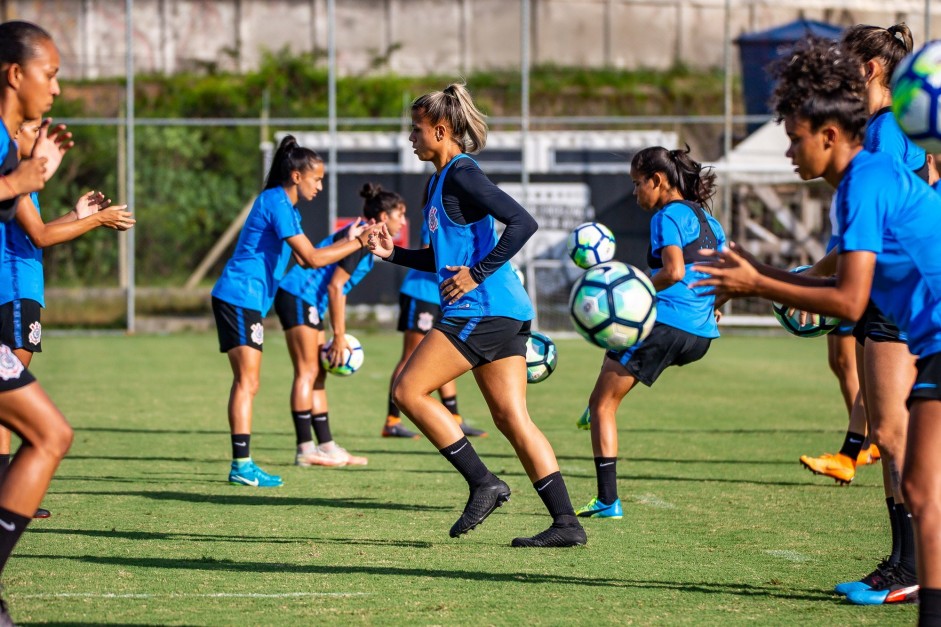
[442,36]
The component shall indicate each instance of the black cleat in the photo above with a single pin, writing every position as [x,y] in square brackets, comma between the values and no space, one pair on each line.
[555,536]
[42,513]
[482,501]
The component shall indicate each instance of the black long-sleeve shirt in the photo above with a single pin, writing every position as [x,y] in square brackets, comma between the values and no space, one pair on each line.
[469,196]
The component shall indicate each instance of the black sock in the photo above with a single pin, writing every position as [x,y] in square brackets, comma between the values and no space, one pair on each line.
[607,474]
[929,607]
[852,445]
[463,457]
[896,533]
[551,489]
[451,403]
[302,426]
[321,424]
[907,535]
[4,464]
[11,528]
[241,445]
[393,409]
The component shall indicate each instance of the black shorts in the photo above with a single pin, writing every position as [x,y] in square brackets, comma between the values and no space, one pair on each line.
[844,329]
[486,339]
[13,374]
[665,346]
[928,381]
[294,312]
[876,327]
[417,315]
[237,326]
[20,326]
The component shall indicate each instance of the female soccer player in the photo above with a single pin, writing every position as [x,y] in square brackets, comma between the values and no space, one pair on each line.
[674,187]
[888,220]
[29,63]
[485,316]
[887,366]
[21,271]
[304,296]
[243,294]
[419,309]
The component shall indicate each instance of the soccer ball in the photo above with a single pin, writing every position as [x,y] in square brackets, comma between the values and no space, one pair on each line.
[353,357]
[541,357]
[817,325]
[589,244]
[916,92]
[613,305]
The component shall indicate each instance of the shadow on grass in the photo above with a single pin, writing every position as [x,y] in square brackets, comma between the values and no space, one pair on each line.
[227,565]
[197,537]
[250,499]
[626,458]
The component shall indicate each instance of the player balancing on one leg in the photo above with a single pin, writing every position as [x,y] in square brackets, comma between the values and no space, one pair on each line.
[676,190]
[419,309]
[304,296]
[244,293]
[29,64]
[889,220]
[887,365]
[21,268]
[485,321]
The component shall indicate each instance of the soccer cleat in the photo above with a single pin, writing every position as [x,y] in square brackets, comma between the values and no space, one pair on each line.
[337,452]
[482,501]
[317,457]
[840,467]
[900,586]
[868,456]
[875,579]
[42,513]
[395,429]
[247,473]
[584,421]
[468,430]
[555,536]
[598,509]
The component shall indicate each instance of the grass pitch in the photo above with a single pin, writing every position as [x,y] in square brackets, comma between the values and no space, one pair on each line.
[721,523]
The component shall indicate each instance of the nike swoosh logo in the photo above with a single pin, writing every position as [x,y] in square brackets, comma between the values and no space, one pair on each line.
[7,526]
[240,444]
[545,486]
[240,479]
[460,449]
[605,464]
[321,419]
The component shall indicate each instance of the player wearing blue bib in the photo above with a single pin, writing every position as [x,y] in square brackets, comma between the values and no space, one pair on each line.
[29,64]
[889,220]
[672,186]
[419,309]
[486,315]
[304,297]
[887,365]
[245,291]
[21,269]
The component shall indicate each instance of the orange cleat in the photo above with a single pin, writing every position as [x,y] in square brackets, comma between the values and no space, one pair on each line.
[868,456]
[839,466]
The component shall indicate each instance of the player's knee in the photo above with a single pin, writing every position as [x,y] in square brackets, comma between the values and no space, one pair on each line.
[402,395]
[56,439]
[918,499]
[248,384]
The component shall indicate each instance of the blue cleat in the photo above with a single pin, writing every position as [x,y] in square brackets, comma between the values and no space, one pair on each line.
[876,579]
[900,586]
[584,421]
[247,473]
[597,509]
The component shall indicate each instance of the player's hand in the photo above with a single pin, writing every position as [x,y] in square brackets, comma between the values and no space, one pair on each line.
[803,318]
[458,285]
[89,203]
[28,177]
[730,275]
[335,352]
[718,314]
[357,228]
[52,143]
[379,242]
[116,218]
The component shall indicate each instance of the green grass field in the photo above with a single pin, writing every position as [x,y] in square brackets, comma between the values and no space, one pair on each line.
[721,523]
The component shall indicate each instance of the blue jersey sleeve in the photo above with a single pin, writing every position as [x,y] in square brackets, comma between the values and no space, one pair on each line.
[664,231]
[861,208]
[285,220]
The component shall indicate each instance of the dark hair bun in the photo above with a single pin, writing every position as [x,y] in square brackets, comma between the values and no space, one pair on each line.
[370,190]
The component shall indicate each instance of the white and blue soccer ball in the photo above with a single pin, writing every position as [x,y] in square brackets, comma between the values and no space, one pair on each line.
[916,96]
[541,357]
[815,326]
[590,244]
[613,305]
[353,357]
